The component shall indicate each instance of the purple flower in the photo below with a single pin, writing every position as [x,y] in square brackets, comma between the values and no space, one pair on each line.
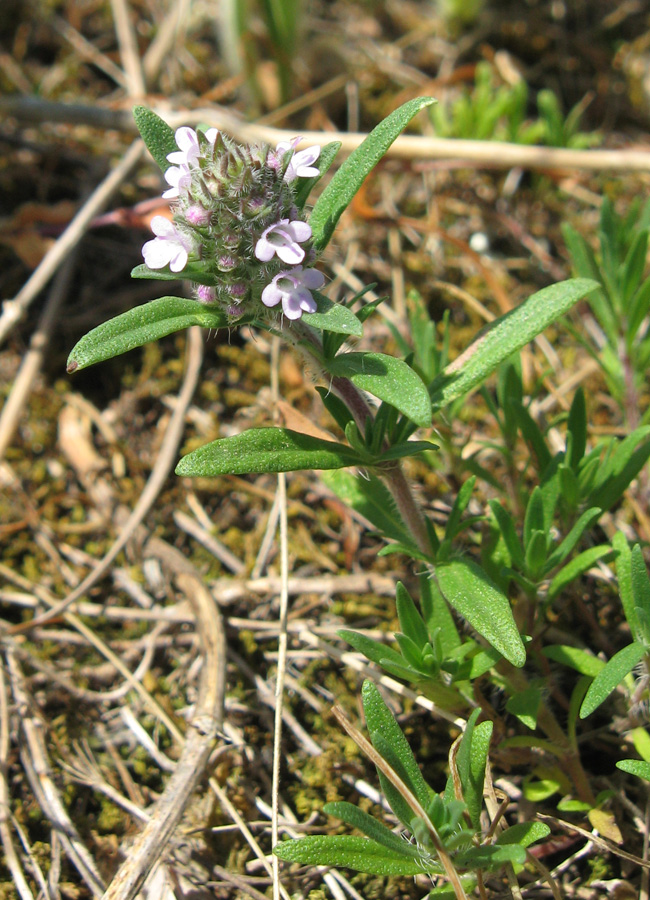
[293,290]
[283,238]
[187,140]
[186,157]
[300,164]
[206,294]
[169,247]
[179,177]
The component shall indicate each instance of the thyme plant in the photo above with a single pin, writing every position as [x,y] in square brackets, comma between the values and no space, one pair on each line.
[241,233]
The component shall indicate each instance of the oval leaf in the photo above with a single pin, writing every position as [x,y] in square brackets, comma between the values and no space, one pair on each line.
[505,336]
[352,852]
[470,592]
[266,450]
[333,317]
[371,827]
[611,676]
[389,379]
[346,182]
[139,326]
[635,767]
[157,135]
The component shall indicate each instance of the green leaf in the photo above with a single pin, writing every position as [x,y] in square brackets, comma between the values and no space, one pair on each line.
[324,161]
[191,272]
[139,326]
[266,450]
[157,135]
[373,650]
[619,468]
[640,591]
[471,761]
[410,620]
[505,336]
[389,379]
[470,592]
[635,767]
[525,706]
[611,676]
[577,428]
[338,194]
[575,658]
[560,554]
[370,498]
[437,615]
[577,567]
[333,317]
[524,834]
[352,852]
[389,741]
[506,525]
[624,577]
[355,817]
[491,856]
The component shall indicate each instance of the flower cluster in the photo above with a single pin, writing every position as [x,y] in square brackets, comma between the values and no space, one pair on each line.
[236,230]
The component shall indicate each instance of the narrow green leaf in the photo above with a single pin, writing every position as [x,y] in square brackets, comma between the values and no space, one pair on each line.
[578,566]
[157,135]
[611,676]
[374,650]
[560,554]
[406,448]
[191,272]
[524,833]
[531,433]
[387,378]
[525,706]
[351,852]
[575,658]
[324,161]
[338,194]
[333,317]
[470,592]
[410,620]
[505,336]
[635,767]
[389,741]
[491,856]
[437,615]
[355,817]
[620,467]
[471,761]
[265,450]
[640,587]
[139,326]
[509,534]
[624,577]
[370,498]
[577,428]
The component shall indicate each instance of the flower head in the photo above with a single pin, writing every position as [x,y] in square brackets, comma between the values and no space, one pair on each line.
[301,163]
[284,239]
[293,290]
[169,247]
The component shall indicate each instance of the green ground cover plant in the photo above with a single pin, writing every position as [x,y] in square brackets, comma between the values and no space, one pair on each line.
[239,220]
